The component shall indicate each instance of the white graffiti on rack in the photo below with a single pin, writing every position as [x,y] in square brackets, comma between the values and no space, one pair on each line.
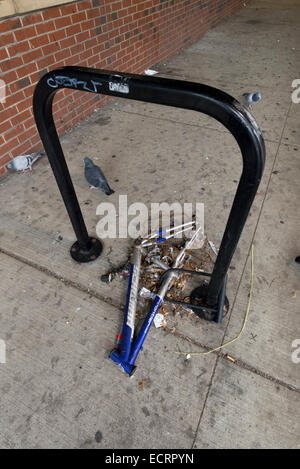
[68,82]
[119,84]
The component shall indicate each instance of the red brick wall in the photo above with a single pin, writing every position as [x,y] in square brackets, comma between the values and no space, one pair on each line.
[124,35]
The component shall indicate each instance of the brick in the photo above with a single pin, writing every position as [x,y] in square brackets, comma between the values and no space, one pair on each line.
[116,6]
[74,50]
[31,56]
[9,77]
[62,55]
[88,25]
[68,9]
[45,62]
[24,82]
[20,118]
[18,129]
[34,78]
[68,42]
[21,149]
[10,24]
[36,143]
[26,70]
[63,22]
[30,121]
[10,64]
[72,30]
[57,35]
[14,95]
[23,105]
[9,146]
[39,41]
[42,72]
[18,48]
[29,91]
[7,113]
[50,48]
[3,54]
[83,6]
[4,126]
[6,39]
[14,87]
[5,160]
[78,17]
[51,13]
[90,43]
[92,13]
[82,36]
[25,33]
[45,28]
[29,133]
[31,19]
[58,65]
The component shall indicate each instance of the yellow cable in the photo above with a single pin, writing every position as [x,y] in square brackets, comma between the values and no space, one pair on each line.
[245,318]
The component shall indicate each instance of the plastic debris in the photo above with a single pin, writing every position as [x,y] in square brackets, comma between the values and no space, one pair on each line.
[162,235]
[159,320]
[150,72]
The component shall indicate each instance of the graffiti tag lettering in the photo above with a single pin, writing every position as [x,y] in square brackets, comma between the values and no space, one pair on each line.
[68,82]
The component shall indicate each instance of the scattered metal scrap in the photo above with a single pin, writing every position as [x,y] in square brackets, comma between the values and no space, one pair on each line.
[157,258]
[146,264]
[122,270]
[163,273]
[160,258]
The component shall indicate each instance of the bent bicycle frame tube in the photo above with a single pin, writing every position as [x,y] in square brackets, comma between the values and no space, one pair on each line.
[182,94]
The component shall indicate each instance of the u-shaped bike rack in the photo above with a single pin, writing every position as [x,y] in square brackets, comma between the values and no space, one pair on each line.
[182,94]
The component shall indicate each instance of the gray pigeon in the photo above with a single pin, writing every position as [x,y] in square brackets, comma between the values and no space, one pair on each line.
[249,99]
[95,177]
[23,162]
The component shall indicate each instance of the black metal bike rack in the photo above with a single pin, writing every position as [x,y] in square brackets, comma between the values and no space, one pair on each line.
[182,94]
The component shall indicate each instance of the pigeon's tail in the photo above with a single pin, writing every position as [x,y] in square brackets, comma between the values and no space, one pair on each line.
[38,155]
[109,191]
[35,156]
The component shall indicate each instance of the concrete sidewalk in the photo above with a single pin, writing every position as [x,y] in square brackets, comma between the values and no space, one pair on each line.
[58,389]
